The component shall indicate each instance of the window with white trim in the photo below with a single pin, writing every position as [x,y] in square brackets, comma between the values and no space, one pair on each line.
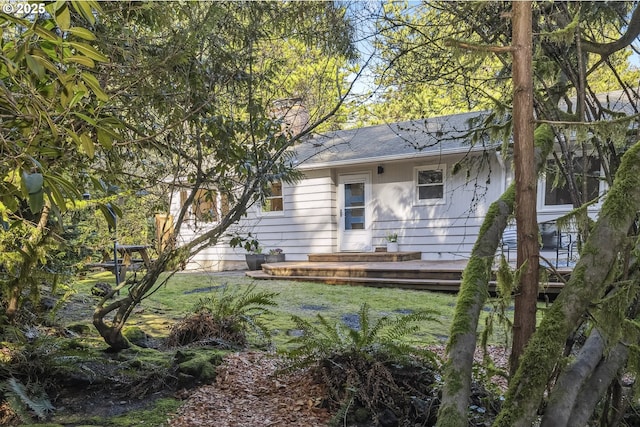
[274,201]
[556,189]
[207,205]
[430,184]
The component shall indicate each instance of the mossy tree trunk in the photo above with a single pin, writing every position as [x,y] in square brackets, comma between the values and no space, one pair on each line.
[582,385]
[30,257]
[602,358]
[473,295]
[589,280]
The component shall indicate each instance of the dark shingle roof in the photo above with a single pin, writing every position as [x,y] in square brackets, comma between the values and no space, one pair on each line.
[417,138]
[393,141]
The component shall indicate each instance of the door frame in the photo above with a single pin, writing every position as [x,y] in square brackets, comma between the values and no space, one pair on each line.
[355,240]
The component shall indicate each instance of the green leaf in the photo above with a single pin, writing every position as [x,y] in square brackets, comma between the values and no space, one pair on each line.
[83,33]
[10,202]
[58,182]
[86,118]
[50,50]
[58,4]
[63,17]
[105,139]
[92,82]
[55,195]
[82,60]
[90,51]
[36,201]
[44,34]
[87,145]
[84,8]
[107,214]
[52,126]
[76,98]
[32,182]
[35,66]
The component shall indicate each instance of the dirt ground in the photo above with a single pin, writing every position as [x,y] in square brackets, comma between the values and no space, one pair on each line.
[248,392]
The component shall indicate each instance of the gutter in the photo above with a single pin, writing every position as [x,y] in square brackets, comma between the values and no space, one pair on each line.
[395,157]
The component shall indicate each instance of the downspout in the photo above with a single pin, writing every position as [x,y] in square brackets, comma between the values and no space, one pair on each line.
[503,169]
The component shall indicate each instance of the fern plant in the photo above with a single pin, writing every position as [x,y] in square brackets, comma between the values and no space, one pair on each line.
[26,400]
[227,317]
[368,369]
[384,336]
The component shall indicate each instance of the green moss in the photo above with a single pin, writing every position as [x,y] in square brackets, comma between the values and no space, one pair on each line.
[475,281]
[618,205]
[454,379]
[156,416]
[135,335]
[506,203]
[449,417]
[199,364]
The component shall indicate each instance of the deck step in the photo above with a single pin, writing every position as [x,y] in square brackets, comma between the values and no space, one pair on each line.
[444,285]
[384,270]
[415,274]
[365,257]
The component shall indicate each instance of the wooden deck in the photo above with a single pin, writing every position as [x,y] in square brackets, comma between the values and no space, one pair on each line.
[413,274]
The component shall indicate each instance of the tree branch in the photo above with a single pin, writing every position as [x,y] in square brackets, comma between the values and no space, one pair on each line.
[607,49]
[479,47]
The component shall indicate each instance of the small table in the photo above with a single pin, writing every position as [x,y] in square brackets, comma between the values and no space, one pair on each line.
[127,262]
[127,251]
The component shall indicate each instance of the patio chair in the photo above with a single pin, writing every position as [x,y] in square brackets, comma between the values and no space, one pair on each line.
[509,242]
[565,246]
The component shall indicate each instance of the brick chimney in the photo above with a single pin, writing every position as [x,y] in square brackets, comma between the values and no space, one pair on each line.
[293,113]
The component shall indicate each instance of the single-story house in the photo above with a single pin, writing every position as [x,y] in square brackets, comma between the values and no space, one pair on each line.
[423,180]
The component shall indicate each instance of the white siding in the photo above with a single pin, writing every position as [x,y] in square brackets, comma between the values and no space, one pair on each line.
[441,231]
[307,224]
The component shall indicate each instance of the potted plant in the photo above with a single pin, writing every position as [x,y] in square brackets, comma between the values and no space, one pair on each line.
[392,242]
[275,255]
[254,256]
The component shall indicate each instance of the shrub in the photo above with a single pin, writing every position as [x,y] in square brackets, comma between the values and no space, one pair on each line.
[371,374]
[225,319]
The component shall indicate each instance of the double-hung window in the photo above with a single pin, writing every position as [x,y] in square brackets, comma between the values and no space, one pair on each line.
[274,200]
[207,205]
[429,184]
[557,191]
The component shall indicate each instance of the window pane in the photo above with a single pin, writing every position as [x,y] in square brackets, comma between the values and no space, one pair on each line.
[430,192]
[354,219]
[276,189]
[273,204]
[354,194]
[204,206]
[560,195]
[429,177]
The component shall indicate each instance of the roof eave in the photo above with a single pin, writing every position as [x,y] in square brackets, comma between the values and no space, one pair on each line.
[395,157]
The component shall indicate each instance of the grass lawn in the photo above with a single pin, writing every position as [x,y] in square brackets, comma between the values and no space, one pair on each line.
[304,299]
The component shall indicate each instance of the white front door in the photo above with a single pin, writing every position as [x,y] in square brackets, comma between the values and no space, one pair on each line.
[354,194]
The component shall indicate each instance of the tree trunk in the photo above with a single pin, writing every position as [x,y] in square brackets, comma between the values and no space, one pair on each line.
[112,333]
[566,389]
[593,390]
[588,282]
[472,297]
[526,178]
[29,261]
[584,382]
